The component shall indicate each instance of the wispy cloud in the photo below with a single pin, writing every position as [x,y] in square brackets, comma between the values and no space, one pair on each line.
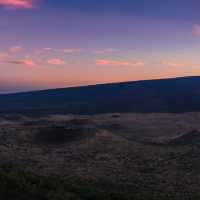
[15,49]
[102,51]
[196,30]
[172,64]
[119,63]
[26,62]
[56,61]
[47,49]
[71,50]
[61,50]
[18,4]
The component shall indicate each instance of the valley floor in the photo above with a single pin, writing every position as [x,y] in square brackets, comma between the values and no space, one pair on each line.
[110,156]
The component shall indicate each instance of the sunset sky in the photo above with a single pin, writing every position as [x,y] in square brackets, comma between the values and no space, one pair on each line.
[62,43]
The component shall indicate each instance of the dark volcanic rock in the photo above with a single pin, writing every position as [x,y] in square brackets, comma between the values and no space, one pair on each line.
[56,135]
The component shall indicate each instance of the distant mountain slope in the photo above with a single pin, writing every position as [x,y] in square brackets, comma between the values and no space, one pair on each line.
[190,138]
[165,95]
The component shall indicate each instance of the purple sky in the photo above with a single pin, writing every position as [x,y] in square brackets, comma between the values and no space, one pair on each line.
[50,44]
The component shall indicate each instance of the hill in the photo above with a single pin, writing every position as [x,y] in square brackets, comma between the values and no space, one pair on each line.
[190,138]
[158,96]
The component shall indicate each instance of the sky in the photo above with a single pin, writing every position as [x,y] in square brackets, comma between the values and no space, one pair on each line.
[52,44]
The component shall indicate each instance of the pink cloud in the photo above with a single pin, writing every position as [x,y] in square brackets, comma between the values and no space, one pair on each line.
[196,30]
[111,62]
[172,64]
[119,63]
[109,50]
[18,4]
[56,61]
[15,49]
[26,62]
[48,49]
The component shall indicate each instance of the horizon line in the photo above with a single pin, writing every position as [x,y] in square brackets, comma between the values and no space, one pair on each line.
[97,84]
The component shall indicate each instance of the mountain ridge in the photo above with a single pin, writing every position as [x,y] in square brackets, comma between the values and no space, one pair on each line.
[99,84]
[181,94]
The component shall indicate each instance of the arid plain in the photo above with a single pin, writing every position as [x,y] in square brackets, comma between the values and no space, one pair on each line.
[156,155]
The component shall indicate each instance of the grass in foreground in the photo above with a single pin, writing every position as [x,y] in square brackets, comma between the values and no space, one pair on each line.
[22,185]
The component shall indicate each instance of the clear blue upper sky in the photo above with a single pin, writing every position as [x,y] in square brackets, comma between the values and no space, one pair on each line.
[59,43]
[179,9]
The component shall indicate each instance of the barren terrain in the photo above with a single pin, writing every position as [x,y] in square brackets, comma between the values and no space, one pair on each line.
[150,154]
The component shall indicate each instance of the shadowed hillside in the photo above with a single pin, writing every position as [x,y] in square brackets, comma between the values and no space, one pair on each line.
[167,95]
[190,138]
